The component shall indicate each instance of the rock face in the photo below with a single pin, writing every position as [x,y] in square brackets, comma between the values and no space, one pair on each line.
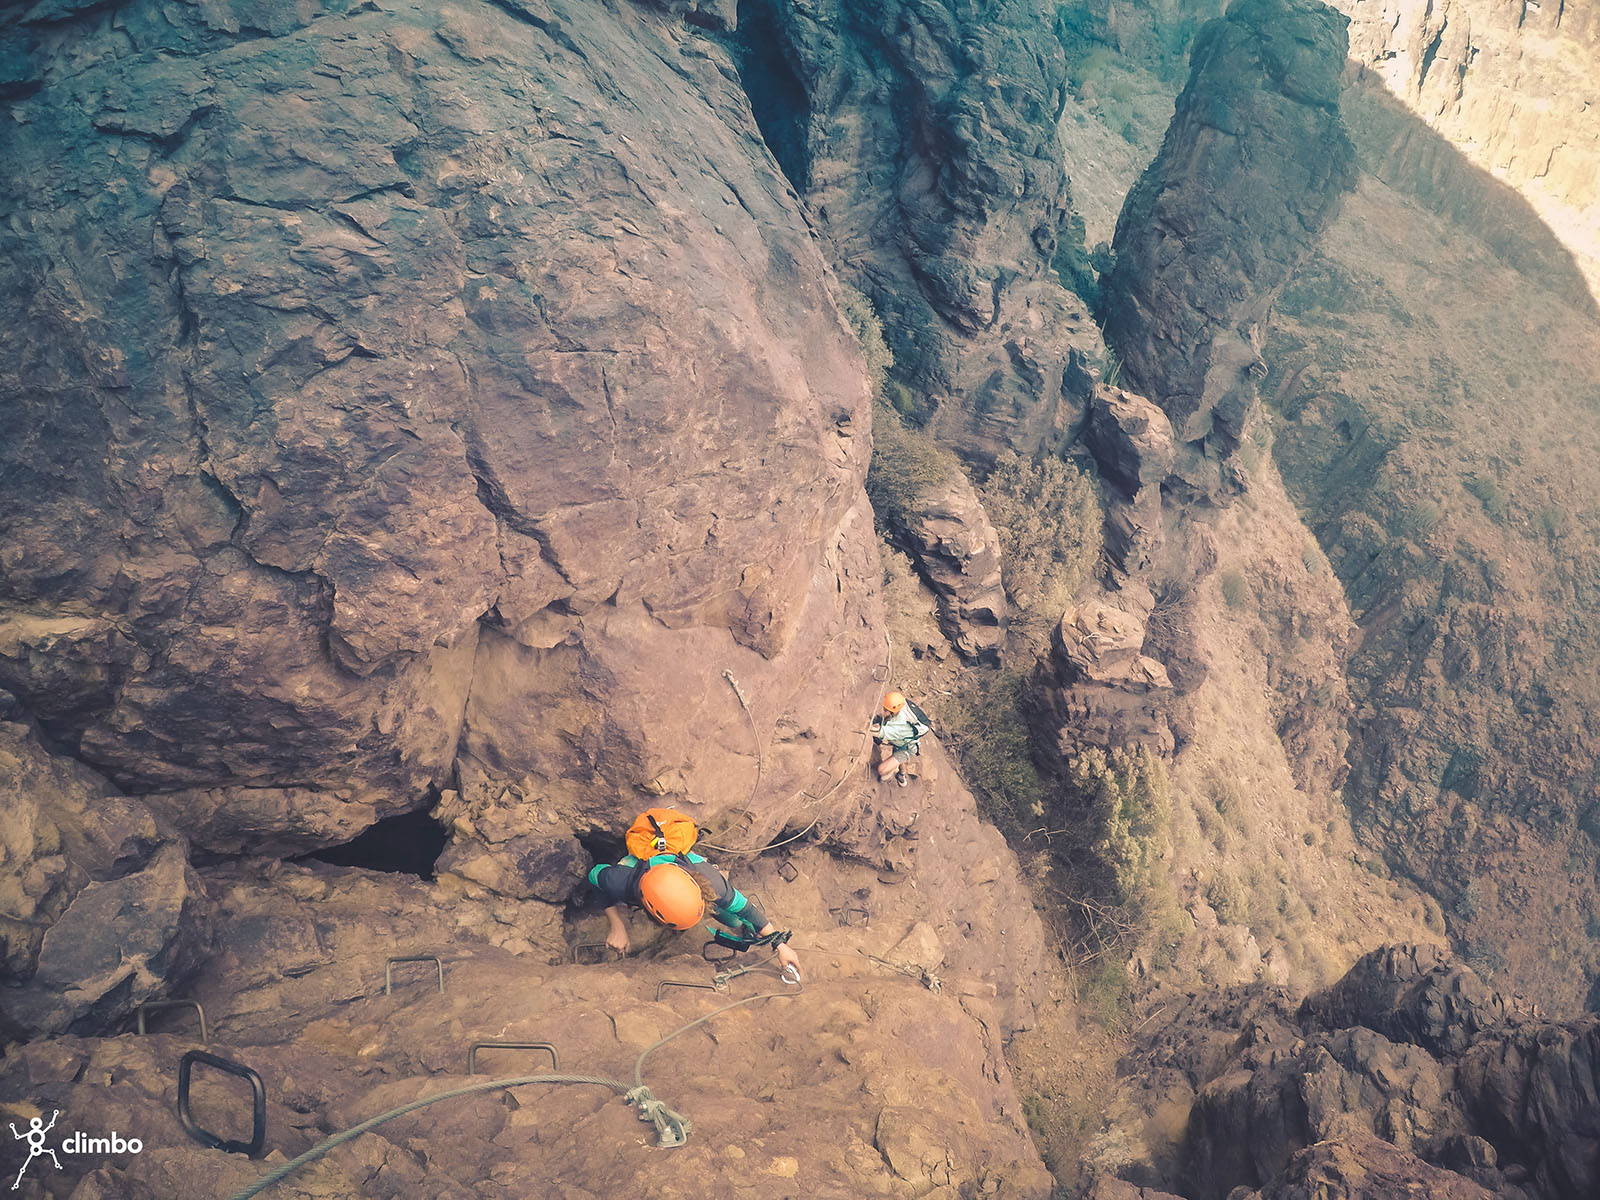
[1409,1073]
[1253,166]
[922,136]
[1441,450]
[1097,689]
[1511,86]
[395,408]
[957,552]
[99,908]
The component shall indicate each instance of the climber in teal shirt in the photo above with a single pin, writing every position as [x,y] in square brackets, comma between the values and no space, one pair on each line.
[675,890]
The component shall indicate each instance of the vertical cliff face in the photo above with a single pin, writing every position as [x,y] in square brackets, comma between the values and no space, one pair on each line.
[1254,164]
[410,394]
[1512,86]
[922,136]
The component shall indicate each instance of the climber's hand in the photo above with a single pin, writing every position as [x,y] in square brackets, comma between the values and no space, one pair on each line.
[789,959]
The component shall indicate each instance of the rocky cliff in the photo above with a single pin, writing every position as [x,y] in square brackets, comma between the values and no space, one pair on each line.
[1409,1076]
[1509,85]
[1255,163]
[1442,450]
[922,136]
[422,458]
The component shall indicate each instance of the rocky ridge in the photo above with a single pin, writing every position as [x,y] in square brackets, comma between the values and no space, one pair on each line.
[1409,1074]
[1254,164]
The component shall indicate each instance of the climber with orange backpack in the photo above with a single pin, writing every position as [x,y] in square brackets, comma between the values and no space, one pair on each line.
[662,875]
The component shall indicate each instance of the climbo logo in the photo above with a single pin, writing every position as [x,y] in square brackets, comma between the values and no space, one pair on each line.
[76,1143]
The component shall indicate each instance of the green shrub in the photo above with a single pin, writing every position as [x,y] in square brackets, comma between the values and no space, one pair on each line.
[985,727]
[906,463]
[1226,896]
[1125,800]
[1552,520]
[1420,519]
[1047,515]
[863,319]
[1489,494]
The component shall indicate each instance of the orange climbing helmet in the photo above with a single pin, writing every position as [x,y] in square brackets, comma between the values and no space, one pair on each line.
[893,702]
[672,896]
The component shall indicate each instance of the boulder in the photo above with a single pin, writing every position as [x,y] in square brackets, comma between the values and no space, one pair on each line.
[1377,1086]
[1367,1169]
[1097,688]
[99,908]
[398,398]
[1131,440]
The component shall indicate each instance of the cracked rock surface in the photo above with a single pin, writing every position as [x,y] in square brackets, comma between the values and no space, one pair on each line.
[397,384]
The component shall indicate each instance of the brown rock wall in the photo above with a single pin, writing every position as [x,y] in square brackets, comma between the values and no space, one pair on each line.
[385,327]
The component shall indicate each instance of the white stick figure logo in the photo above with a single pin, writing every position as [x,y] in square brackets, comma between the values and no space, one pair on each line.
[35,1138]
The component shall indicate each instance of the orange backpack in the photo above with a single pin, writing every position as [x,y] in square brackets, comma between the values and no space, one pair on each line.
[661,831]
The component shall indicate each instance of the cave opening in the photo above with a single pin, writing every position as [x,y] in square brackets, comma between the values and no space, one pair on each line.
[602,846]
[777,98]
[407,844]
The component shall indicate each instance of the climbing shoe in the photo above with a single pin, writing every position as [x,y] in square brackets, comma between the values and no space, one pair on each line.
[900,778]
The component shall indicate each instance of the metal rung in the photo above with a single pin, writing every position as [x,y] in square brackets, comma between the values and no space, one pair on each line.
[683,983]
[472,1052]
[389,966]
[600,948]
[852,914]
[880,673]
[150,1006]
[787,871]
[258,1104]
[819,786]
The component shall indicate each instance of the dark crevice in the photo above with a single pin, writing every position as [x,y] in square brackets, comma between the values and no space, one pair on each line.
[407,844]
[778,100]
[1428,55]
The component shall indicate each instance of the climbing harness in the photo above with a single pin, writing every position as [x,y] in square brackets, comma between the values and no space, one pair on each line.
[672,1128]
[927,978]
[738,943]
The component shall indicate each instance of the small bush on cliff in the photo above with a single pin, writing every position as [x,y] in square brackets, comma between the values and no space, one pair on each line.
[1126,801]
[985,726]
[1235,592]
[863,319]
[906,463]
[1047,515]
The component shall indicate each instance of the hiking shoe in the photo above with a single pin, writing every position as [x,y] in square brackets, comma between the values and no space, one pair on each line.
[901,779]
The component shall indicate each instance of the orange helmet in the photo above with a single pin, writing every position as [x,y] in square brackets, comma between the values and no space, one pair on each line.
[893,702]
[672,896]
